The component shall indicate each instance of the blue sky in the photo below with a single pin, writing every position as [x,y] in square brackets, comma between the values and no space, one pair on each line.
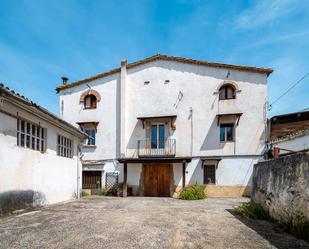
[42,40]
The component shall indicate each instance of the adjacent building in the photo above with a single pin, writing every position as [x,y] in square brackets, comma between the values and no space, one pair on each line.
[290,132]
[39,152]
[165,122]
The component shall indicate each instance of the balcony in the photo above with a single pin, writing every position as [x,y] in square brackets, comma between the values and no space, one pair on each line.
[156,148]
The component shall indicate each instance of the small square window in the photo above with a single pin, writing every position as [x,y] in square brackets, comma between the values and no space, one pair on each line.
[226,132]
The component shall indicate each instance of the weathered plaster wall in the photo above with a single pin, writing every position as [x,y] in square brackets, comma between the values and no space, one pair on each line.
[282,187]
[25,169]
[296,143]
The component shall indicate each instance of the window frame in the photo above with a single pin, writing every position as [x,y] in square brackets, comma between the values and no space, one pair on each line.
[211,175]
[225,126]
[31,135]
[93,101]
[66,146]
[225,88]
[92,138]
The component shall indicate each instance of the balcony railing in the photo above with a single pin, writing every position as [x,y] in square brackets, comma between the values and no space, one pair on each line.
[156,148]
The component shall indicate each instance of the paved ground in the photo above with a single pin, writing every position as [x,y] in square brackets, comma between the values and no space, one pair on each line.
[100,222]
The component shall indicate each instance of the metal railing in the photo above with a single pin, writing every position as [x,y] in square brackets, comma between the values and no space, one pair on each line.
[156,148]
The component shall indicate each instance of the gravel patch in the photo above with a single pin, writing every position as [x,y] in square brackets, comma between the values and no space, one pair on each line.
[138,222]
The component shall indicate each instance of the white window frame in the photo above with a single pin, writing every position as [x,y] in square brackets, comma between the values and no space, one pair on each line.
[32,137]
[65,146]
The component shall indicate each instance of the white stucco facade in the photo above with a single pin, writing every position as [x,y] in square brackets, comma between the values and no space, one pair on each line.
[54,178]
[191,93]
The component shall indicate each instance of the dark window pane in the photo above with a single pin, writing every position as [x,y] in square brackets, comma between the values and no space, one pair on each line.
[229,133]
[28,141]
[222,93]
[230,93]
[38,131]
[161,136]
[23,126]
[222,134]
[33,143]
[33,130]
[28,128]
[22,140]
[38,144]
[17,135]
[18,124]
[42,133]
[153,136]
[42,145]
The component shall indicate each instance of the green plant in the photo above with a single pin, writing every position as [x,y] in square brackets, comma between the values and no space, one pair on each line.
[102,192]
[84,193]
[195,192]
[252,210]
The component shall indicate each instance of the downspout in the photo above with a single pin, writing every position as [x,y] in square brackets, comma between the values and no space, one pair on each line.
[191,115]
[123,75]
[78,159]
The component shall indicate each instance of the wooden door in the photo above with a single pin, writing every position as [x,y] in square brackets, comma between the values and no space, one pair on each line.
[163,187]
[91,179]
[157,180]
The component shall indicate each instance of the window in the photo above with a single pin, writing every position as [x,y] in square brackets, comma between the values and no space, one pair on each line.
[226,132]
[227,92]
[30,135]
[157,136]
[209,174]
[91,133]
[90,101]
[64,146]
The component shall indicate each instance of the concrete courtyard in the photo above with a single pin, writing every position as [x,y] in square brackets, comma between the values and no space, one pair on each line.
[137,222]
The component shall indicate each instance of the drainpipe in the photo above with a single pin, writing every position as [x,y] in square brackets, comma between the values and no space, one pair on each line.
[79,158]
[191,115]
[123,76]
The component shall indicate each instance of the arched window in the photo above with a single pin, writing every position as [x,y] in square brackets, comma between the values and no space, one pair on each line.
[90,101]
[227,92]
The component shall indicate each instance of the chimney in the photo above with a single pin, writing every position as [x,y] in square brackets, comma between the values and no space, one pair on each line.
[64,80]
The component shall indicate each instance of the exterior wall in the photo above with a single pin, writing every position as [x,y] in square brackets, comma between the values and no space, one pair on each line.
[124,97]
[199,85]
[106,113]
[297,143]
[55,178]
[282,187]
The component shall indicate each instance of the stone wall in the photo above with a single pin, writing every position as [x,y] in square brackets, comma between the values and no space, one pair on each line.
[282,187]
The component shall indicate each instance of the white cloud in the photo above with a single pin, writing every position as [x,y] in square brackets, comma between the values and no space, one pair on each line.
[264,12]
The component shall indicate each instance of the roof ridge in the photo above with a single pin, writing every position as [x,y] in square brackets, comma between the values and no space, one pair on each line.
[166,57]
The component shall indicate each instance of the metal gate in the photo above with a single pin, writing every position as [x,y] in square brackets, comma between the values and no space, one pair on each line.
[111,183]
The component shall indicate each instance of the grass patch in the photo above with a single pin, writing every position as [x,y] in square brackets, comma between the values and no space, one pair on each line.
[252,210]
[195,192]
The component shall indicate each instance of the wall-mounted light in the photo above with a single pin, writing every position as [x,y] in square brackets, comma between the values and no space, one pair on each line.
[146,82]
[166,81]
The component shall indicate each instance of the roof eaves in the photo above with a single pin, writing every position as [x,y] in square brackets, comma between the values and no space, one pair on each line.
[27,101]
[267,71]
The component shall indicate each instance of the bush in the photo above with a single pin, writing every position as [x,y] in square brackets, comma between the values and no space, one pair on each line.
[84,193]
[194,192]
[102,192]
[252,210]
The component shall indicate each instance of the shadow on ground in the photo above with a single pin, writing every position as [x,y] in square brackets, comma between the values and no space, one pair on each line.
[271,232]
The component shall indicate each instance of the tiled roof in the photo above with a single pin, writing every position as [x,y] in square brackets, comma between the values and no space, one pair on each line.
[6,90]
[167,58]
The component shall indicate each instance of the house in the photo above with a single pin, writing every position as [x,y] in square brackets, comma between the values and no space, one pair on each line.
[290,132]
[165,122]
[39,152]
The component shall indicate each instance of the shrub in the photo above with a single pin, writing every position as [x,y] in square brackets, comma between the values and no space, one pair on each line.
[84,193]
[252,210]
[102,192]
[194,192]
